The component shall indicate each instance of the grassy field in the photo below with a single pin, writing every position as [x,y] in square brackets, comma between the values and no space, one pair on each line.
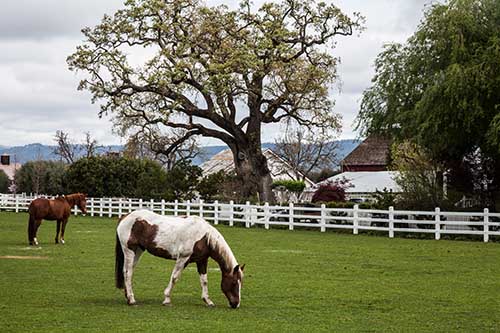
[297,281]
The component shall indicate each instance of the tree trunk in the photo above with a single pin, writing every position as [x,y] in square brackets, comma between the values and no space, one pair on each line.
[253,173]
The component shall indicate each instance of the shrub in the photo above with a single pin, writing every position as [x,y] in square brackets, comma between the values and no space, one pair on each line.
[182,181]
[103,176]
[211,187]
[384,199]
[331,191]
[4,182]
[296,186]
[45,177]
[349,204]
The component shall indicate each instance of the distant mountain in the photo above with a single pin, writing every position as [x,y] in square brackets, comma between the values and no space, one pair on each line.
[346,147]
[37,151]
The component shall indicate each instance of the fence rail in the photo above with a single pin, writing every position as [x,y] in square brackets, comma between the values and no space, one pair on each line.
[435,222]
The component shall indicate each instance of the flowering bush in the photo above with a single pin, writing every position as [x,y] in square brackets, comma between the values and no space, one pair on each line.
[331,191]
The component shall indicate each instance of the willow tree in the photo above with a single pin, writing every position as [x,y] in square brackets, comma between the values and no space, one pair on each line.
[216,72]
[441,90]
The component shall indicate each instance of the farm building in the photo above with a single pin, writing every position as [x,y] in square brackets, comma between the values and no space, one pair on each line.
[363,184]
[366,170]
[8,166]
[373,154]
[280,169]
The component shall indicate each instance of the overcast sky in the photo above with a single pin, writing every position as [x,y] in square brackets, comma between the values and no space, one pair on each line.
[38,93]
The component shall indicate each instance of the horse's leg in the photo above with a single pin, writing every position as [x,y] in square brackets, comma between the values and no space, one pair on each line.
[128,269]
[35,230]
[137,256]
[202,270]
[176,274]
[63,227]
[31,230]
[58,229]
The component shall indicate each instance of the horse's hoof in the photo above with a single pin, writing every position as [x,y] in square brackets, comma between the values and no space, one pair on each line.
[62,241]
[134,303]
[208,302]
[167,304]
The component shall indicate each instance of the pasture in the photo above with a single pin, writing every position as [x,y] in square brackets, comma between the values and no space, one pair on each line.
[297,281]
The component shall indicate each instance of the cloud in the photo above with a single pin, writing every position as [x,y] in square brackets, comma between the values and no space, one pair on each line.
[35,19]
[39,94]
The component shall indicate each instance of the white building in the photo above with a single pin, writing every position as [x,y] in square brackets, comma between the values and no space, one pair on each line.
[279,168]
[363,184]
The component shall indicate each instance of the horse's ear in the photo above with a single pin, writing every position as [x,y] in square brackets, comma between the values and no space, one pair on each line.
[242,267]
[236,268]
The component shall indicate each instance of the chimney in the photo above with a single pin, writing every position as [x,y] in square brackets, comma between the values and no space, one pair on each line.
[5,159]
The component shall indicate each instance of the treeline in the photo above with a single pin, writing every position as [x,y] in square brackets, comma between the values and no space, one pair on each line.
[4,182]
[105,176]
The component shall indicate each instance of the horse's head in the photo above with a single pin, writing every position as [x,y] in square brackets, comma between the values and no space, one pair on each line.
[231,285]
[82,202]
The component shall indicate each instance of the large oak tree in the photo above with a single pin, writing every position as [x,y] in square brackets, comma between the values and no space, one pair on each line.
[216,72]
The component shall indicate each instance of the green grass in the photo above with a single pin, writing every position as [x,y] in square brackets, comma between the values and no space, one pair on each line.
[297,281]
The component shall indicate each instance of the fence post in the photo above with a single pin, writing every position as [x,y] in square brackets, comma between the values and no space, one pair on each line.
[140,203]
[438,226]
[188,207]
[201,208]
[391,222]
[129,205]
[92,207]
[355,219]
[152,205]
[486,230]
[120,208]
[216,212]
[75,210]
[290,216]
[247,214]
[110,207]
[266,215]
[101,200]
[323,218]
[176,207]
[162,207]
[17,204]
[231,216]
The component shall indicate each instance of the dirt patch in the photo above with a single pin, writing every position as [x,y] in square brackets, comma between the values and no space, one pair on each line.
[24,257]
[286,251]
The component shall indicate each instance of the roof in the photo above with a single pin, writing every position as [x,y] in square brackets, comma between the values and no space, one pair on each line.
[279,168]
[374,150]
[367,181]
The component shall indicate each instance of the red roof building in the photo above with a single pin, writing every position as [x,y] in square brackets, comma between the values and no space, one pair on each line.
[373,154]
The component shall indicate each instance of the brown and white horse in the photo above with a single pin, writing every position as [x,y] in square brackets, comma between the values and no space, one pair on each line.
[58,209]
[183,239]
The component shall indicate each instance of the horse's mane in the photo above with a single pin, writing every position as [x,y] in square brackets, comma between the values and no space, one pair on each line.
[74,198]
[219,245]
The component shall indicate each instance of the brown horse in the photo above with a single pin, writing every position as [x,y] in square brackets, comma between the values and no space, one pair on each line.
[58,209]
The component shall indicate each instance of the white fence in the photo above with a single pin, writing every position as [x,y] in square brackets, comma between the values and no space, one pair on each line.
[435,222]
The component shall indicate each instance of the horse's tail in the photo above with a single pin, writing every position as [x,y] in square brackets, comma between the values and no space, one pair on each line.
[119,259]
